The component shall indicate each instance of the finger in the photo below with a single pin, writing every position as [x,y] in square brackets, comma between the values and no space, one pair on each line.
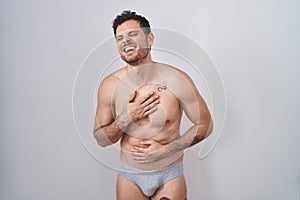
[146,142]
[141,150]
[134,150]
[145,97]
[150,111]
[132,96]
[143,146]
[139,155]
[144,161]
[150,100]
[150,105]
[139,158]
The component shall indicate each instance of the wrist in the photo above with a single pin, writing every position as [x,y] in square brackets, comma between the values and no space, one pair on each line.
[123,121]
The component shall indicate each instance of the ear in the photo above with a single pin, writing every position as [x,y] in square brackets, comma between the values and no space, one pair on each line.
[150,39]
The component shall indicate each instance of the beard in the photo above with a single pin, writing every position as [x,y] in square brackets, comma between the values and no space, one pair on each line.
[138,58]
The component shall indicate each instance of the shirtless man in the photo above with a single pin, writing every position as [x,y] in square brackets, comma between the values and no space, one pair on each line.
[141,105]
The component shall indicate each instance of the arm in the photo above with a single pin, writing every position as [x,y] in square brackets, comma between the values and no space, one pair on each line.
[196,110]
[107,130]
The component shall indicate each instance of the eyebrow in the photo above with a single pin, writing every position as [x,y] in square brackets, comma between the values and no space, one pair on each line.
[129,32]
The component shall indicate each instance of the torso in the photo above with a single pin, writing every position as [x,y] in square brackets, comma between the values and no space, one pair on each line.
[162,125]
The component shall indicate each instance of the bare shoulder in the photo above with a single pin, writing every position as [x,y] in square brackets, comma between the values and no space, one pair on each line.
[179,71]
[110,81]
[108,84]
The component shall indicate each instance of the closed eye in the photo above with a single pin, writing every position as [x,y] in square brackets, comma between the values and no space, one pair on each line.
[133,33]
[119,38]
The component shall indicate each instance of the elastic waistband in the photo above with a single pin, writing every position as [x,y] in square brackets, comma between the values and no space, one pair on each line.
[127,168]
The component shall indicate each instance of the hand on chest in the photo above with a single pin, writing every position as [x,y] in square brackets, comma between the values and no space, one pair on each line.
[166,110]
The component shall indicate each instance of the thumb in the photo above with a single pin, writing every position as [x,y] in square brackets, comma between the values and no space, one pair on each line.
[146,142]
[132,96]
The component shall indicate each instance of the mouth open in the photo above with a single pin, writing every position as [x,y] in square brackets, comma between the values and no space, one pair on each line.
[129,49]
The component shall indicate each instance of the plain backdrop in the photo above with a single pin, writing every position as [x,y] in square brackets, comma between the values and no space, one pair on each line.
[254,44]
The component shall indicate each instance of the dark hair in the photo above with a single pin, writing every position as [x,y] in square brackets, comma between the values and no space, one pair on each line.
[128,15]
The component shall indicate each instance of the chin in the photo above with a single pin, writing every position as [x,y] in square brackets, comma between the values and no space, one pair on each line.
[131,59]
[135,58]
[134,62]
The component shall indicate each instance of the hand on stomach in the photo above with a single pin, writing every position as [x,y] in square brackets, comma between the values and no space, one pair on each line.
[147,153]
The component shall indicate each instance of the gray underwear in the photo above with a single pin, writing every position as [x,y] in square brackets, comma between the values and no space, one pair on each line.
[150,181]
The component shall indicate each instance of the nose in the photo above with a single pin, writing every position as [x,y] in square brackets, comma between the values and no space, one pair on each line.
[126,39]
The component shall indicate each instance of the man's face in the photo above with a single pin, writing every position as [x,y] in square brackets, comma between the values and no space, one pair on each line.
[133,43]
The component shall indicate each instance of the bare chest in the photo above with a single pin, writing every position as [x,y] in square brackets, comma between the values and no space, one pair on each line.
[167,113]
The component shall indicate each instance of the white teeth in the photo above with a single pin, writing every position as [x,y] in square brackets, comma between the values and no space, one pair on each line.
[128,49]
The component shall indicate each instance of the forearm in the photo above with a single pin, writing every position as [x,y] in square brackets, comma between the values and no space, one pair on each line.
[194,135]
[111,133]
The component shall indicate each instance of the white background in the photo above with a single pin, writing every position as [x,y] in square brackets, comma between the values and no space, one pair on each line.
[255,45]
